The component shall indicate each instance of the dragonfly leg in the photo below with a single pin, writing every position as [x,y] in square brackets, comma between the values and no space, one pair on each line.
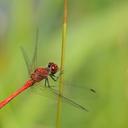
[47,82]
[54,77]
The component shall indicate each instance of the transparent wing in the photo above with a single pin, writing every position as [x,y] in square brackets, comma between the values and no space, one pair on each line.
[27,60]
[31,64]
[89,89]
[34,58]
[69,101]
[72,95]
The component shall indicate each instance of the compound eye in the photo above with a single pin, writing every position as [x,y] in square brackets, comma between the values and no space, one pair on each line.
[53,68]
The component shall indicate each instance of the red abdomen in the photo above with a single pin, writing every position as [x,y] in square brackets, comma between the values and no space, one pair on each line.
[39,74]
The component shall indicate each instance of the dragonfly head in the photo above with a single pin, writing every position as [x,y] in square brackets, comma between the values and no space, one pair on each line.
[53,67]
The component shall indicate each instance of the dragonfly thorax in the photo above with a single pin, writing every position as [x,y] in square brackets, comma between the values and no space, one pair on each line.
[39,74]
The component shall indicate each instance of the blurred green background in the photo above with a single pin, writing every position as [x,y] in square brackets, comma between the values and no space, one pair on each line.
[96,56]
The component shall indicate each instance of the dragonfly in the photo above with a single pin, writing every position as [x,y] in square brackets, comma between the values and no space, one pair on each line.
[38,74]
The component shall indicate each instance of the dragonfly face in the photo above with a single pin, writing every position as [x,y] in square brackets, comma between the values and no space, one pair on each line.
[53,68]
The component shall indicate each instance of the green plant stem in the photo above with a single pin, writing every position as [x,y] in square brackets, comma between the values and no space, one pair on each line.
[61,80]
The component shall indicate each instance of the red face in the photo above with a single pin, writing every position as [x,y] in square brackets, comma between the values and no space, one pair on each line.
[53,67]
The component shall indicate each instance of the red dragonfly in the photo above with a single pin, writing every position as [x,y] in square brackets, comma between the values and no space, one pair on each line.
[39,74]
